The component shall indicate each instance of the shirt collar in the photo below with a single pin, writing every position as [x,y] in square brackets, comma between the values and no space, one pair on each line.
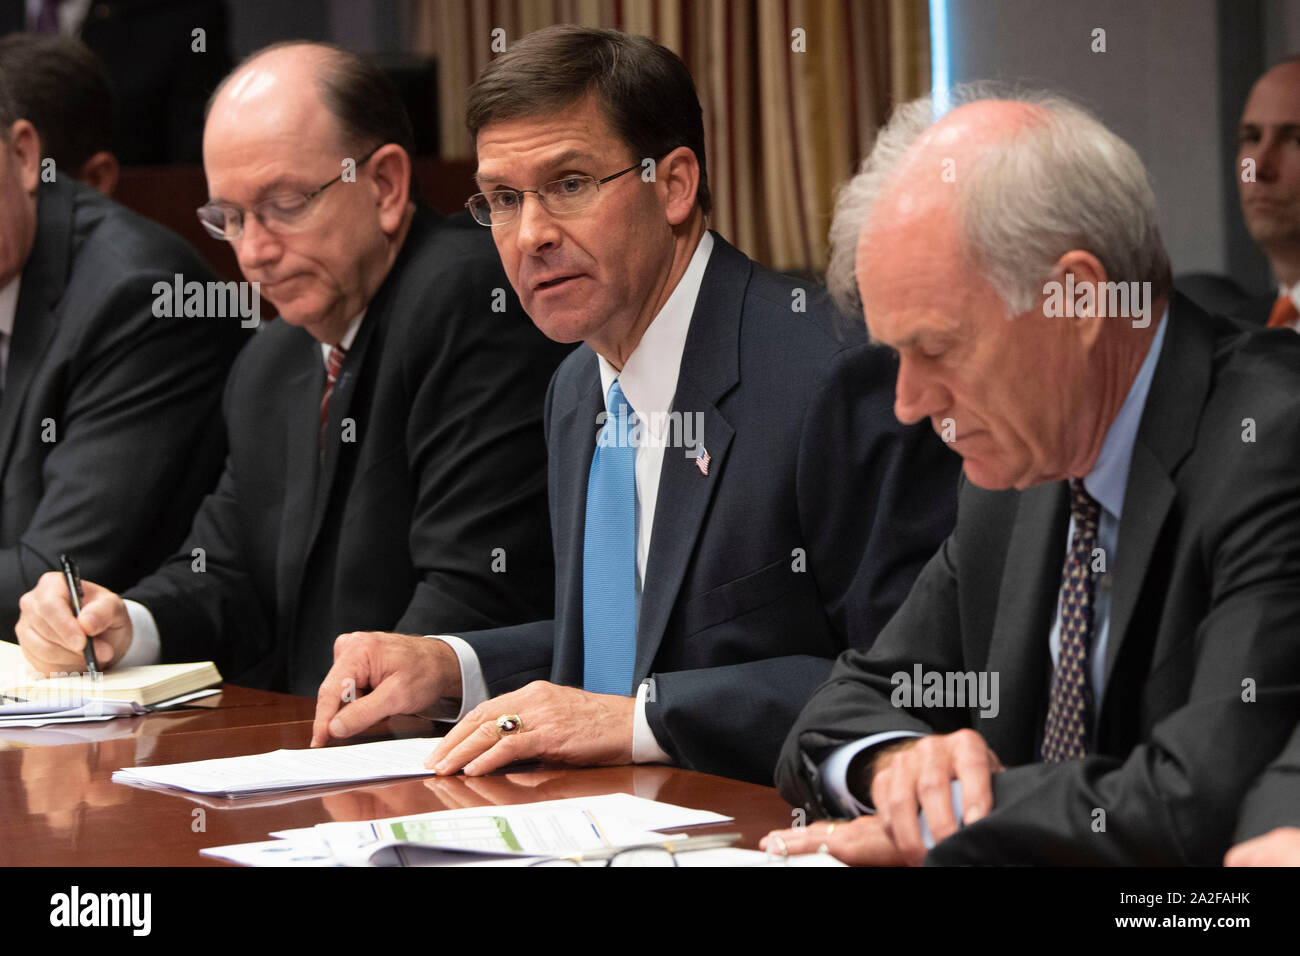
[345,343]
[649,376]
[9,305]
[1109,475]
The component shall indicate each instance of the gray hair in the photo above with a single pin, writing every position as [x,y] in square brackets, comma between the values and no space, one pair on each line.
[1064,183]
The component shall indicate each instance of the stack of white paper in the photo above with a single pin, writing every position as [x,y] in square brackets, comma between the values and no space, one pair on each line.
[289,769]
[501,836]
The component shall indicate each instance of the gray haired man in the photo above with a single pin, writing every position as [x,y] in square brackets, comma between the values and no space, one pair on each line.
[1126,559]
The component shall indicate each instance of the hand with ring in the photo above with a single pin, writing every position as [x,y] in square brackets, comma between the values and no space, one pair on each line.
[542,721]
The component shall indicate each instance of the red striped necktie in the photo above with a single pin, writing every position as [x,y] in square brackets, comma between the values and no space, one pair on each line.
[333,366]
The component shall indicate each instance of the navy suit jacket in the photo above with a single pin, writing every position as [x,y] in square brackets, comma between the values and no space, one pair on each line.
[817,513]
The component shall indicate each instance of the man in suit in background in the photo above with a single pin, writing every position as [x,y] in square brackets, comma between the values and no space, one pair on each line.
[1268,182]
[109,426]
[164,58]
[732,501]
[1270,199]
[61,88]
[386,464]
[1134,693]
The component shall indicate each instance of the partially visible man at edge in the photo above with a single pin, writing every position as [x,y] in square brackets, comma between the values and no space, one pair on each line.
[110,433]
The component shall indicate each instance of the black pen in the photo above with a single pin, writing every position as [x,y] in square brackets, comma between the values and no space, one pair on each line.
[73,579]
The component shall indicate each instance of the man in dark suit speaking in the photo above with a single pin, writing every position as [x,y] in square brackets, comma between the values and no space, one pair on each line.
[386,464]
[109,426]
[1124,577]
[732,501]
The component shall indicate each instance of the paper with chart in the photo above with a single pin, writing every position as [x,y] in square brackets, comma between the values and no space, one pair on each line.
[550,827]
[545,828]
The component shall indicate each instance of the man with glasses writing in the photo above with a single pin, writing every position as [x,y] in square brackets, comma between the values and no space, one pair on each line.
[386,466]
[732,500]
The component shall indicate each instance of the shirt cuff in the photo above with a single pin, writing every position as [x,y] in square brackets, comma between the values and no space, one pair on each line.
[473,688]
[645,745]
[146,644]
[835,771]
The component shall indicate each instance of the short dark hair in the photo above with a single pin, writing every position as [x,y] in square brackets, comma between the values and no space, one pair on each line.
[357,93]
[58,85]
[644,89]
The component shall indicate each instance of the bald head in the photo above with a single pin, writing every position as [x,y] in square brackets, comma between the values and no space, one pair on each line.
[920,194]
[309,175]
[1268,165]
[278,95]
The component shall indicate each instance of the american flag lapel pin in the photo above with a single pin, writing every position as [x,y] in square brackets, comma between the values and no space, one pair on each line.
[702,461]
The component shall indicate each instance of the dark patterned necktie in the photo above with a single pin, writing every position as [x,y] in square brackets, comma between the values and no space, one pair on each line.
[1066,736]
[333,365]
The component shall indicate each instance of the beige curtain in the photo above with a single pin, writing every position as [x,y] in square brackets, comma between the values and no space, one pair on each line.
[793,92]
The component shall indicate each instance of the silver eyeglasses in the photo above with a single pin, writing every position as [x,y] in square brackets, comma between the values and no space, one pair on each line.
[642,854]
[560,197]
[283,213]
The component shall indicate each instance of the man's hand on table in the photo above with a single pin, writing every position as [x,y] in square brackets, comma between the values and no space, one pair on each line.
[558,724]
[52,637]
[906,779]
[404,675]
[860,842]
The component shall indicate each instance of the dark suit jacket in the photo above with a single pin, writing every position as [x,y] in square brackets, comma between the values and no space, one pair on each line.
[110,428]
[735,627]
[1205,610]
[399,527]
[1274,799]
[1220,295]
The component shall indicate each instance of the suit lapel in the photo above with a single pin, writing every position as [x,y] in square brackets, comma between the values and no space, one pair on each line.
[43,280]
[341,402]
[303,384]
[1027,597]
[710,368]
[575,430]
[1165,436]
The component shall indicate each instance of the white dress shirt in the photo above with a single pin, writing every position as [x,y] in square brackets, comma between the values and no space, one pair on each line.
[146,644]
[649,383]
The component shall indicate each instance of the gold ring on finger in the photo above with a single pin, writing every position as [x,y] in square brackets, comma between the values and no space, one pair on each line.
[508,724]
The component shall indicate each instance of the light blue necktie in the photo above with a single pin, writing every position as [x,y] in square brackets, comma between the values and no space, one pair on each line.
[609,554]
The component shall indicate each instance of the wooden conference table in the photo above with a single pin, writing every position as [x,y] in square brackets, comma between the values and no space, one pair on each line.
[58,806]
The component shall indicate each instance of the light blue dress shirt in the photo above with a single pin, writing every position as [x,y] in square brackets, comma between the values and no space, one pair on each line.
[1106,482]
